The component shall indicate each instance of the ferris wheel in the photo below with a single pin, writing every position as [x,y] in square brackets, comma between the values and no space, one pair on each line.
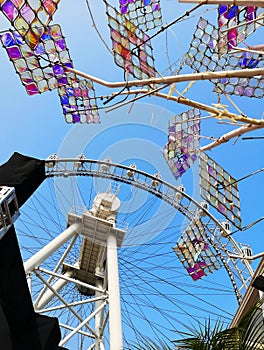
[115,276]
[123,254]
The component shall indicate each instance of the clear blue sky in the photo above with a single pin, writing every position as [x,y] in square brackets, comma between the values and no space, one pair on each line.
[35,125]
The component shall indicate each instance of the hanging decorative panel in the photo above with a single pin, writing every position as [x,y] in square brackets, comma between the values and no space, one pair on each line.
[29,17]
[39,69]
[250,87]
[203,52]
[236,23]
[78,102]
[131,46]
[203,56]
[195,251]
[219,189]
[145,14]
[183,141]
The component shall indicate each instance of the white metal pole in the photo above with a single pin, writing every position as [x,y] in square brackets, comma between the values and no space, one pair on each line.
[63,301]
[91,316]
[49,295]
[51,247]
[56,269]
[69,279]
[98,319]
[77,303]
[29,282]
[115,322]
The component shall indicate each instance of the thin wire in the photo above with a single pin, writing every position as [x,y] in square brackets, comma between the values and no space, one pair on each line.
[150,273]
[242,178]
[247,226]
[163,28]
[253,138]
[120,92]
[96,29]
[121,104]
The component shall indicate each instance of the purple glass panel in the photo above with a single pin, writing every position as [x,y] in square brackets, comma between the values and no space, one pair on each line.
[40,49]
[58,70]
[62,80]
[222,9]
[14,53]
[76,118]
[251,13]
[10,10]
[124,9]
[60,44]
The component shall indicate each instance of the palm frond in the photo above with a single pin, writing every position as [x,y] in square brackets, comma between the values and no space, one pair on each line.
[248,335]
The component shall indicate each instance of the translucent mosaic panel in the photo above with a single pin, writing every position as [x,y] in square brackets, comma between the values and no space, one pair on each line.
[219,189]
[29,17]
[183,141]
[203,52]
[250,87]
[195,252]
[78,102]
[232,16]
[131,46]
[203,56]
[39,69]
[145,14]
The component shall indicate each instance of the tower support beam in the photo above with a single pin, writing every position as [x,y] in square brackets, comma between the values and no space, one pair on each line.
[51,247]
[115,322]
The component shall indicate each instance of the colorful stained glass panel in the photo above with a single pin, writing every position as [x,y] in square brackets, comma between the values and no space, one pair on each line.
[203,51]
[145,14]
[236,23]
[78,102]
[131,46]
[219,189]
[203,56]
[40,69]
[249,87]
[183,141]
[29,17]
[195,251]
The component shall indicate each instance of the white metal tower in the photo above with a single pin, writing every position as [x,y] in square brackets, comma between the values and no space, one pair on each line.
[96,271]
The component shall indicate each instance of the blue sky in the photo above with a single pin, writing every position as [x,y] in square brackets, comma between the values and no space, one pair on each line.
[35,125]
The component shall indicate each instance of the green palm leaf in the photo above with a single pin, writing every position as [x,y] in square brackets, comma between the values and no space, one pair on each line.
[248,335]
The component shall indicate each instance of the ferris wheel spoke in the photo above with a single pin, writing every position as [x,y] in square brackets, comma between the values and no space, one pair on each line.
[155,289]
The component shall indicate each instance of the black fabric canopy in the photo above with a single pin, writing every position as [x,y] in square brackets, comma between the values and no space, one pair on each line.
[15,298]
[20,327]
[24,173]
